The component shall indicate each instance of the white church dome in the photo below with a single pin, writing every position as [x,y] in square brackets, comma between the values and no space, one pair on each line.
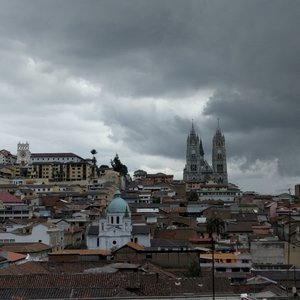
[118,205]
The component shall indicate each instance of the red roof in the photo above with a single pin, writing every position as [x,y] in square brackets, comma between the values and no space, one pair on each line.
[13,257]
[135,246]
[6,197]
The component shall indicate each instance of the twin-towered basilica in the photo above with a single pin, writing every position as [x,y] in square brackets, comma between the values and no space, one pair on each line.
[197,169]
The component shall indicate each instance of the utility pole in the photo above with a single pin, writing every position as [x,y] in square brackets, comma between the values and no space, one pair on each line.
[213,266]
[289,233]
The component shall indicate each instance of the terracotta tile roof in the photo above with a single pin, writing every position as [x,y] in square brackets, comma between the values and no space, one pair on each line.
[65,293]
[71,267]
[6,197]
[51,201]
[70,281]
[135,246]
[13,257]
[25,221]
[169,244]
[239,227]
[66,286]
[27,268]
[25,247]
[83,252]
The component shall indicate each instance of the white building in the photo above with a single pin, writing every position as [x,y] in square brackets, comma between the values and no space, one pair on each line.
[114,228]
[35,233]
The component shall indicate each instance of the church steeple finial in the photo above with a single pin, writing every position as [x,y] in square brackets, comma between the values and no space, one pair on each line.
[218,126]
[193,128]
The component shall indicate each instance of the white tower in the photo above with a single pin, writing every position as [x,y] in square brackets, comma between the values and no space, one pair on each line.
[23,154]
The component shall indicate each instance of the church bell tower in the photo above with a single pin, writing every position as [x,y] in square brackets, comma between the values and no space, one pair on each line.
[219,163]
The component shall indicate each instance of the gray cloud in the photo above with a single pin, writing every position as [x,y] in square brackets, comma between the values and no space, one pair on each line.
[124,76]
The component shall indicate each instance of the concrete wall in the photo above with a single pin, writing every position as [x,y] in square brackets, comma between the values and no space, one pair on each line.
[170,259]
[268,252]
[174,259]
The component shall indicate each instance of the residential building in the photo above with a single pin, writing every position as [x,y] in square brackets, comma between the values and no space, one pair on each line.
[12,207]
[52,166]
[268,251]
[234,265]
[6,158]
[212,191]
[41,232]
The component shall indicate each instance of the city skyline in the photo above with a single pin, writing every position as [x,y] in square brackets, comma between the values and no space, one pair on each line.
[128,77]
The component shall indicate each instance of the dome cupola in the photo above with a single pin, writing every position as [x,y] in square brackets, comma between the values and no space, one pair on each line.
[118,205]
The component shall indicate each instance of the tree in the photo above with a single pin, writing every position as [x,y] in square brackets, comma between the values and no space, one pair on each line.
[94,152]
[215,225]
[94,160]
[194,269]
[193,196]
[118,166]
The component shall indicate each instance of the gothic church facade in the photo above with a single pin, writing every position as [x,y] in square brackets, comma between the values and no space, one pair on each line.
[197,169]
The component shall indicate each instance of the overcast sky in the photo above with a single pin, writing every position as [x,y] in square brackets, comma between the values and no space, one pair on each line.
[128,77]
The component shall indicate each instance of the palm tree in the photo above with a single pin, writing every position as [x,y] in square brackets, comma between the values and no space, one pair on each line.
[215,225]
[94,160]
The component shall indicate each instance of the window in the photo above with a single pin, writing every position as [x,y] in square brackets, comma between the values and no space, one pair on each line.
[221,269]
[193,168]
[98,242]
[114,242]
[118,219]
[219,168]
[245,270]
[235,269]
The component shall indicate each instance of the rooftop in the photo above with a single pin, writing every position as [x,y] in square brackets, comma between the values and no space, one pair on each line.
[6,197]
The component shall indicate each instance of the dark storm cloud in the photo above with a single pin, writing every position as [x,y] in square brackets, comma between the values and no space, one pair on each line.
[98,59]
[260,125]
[154,47]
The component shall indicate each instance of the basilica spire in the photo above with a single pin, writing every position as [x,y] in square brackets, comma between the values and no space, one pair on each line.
[193,129]
[219,161]
[218,131]
[201,149]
